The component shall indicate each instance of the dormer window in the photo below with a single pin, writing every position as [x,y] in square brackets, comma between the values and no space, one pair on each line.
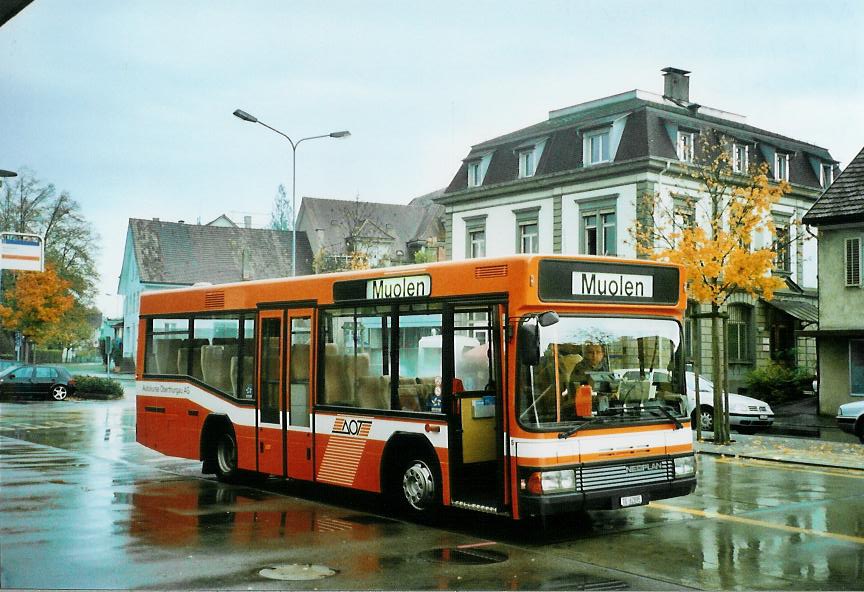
[475,177]
[826,176]
[740,158]
[596,147]
[686,141]
[781,166]
[526,163]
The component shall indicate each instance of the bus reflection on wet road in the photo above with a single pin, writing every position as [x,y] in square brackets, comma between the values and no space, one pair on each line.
[83,506]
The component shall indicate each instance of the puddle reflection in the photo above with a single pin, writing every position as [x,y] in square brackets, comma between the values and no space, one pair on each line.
[189,513]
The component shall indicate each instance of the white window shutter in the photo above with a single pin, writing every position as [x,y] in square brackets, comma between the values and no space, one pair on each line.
[853,262]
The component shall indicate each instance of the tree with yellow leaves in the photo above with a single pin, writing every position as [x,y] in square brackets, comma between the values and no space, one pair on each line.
[710,231]
[35,304]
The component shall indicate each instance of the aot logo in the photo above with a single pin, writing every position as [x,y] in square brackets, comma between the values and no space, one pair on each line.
[352,427]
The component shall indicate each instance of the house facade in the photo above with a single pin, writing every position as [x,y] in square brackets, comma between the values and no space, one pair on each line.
[388,234]
[839,217]
[573,184]
[163,255]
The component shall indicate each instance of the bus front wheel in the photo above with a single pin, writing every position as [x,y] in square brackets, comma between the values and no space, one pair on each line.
[226,456]
[419,485]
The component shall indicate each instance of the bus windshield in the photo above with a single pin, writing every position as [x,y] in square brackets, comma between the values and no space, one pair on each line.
[602,370]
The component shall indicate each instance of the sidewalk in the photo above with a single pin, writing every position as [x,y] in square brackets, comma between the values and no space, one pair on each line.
[804,451]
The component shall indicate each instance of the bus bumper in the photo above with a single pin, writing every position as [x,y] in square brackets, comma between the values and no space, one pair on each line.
[563,503]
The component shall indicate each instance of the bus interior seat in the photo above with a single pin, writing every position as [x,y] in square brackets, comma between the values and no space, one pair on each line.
[247,375]
[409,397]
[214,364]
[299,362]
[373,392]
[165,352]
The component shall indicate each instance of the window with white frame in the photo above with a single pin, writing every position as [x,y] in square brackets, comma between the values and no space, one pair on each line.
[852,261]
[856,367]
[781,166]
[740,157]
[475,237]
[596,147]
[475,177]
[826,175]
[599,227]
[528,230]
[526,163]
[739,340]
[686,141]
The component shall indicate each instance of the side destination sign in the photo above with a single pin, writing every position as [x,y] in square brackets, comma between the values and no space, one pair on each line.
[597,281]
[413,286]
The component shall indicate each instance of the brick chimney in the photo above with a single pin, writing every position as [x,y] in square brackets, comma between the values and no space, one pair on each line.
[676,85]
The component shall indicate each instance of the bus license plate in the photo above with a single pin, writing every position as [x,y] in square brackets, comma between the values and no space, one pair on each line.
[763,417]
[631,500]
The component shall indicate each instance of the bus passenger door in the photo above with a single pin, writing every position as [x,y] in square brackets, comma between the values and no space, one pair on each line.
[270,402]
[299,431]
[475,409]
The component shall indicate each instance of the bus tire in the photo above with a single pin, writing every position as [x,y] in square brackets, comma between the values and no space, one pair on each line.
[226,456]
[418,484]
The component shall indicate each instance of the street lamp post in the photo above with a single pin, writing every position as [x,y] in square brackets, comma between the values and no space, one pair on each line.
[342,134]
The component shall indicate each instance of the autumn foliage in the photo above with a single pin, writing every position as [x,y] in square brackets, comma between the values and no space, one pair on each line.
[715,244]
[710,231]
[36,304]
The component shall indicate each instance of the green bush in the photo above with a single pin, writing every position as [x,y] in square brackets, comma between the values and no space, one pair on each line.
[776,383]
[96,385]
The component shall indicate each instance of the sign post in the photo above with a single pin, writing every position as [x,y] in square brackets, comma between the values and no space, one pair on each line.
[25,252]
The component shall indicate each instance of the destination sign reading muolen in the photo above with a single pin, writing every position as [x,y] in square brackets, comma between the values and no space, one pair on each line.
[413,286]
[612,284]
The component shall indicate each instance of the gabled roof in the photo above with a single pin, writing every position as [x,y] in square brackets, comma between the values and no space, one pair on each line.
[843,201]
[647,132]
[175,253]
[328,222]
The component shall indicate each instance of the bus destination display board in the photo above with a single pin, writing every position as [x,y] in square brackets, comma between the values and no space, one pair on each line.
[594,281]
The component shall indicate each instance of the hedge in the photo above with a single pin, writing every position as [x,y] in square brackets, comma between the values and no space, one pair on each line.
[776,383]
[98,387]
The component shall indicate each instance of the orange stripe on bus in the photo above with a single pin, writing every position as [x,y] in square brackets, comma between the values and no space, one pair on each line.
[21,257]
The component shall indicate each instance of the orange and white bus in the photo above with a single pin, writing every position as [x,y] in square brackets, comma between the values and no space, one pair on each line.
[520,386]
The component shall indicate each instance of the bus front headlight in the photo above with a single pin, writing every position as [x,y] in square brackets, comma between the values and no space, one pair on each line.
[551,482]
[685,466]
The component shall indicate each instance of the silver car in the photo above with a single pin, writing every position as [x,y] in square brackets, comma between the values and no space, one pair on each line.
[746,414]
[850,418]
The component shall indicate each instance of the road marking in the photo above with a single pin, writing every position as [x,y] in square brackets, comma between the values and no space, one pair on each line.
[838,472]
[753,522]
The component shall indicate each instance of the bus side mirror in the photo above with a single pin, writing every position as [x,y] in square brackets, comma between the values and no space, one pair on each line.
[529,343]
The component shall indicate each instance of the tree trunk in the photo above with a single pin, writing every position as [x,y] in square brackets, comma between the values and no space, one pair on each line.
[721,433]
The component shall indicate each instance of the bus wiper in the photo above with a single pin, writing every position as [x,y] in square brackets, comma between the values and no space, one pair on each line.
[664,411]
[566,434]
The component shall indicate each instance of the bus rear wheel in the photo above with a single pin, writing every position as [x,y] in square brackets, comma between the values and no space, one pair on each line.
[226,456]
[419,485]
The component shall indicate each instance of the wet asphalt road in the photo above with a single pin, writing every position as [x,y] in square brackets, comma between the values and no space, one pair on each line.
[83,506]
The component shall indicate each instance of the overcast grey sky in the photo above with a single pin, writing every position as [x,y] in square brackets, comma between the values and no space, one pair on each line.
[127,104]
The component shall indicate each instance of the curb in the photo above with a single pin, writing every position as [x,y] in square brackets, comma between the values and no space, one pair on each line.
[804,462]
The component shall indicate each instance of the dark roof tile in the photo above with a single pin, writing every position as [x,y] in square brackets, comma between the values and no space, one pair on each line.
[843,201]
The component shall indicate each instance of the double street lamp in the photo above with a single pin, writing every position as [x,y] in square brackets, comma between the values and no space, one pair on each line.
[343,134]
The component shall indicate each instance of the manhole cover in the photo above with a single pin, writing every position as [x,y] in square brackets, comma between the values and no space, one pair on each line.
[463,556]
[297,572]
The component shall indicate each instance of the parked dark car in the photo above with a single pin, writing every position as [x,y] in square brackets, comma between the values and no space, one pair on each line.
[36,382]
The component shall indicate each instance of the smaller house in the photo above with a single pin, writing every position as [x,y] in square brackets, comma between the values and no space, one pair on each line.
[162,255]
[388,234]
[839,216]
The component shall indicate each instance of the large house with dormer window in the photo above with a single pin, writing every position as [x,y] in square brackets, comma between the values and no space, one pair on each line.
[570,185]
